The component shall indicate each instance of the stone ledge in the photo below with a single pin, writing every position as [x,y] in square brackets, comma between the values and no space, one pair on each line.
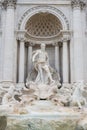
[46,116]
[59,2]
[34,123]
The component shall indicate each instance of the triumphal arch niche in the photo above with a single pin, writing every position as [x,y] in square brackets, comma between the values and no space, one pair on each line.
[48,25]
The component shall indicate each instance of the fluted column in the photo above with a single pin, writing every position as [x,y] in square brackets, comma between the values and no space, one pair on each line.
[29,57]
[77,6]
[65,62]
[9,41]
[57,57]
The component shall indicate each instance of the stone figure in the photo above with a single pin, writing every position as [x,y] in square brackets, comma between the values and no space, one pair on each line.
[46,82]
[9,98]
[41,64]
[77,98]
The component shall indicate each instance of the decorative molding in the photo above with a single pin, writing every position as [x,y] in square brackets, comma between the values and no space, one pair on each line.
[50,2]
[43,7]
[9,3]
[78,4]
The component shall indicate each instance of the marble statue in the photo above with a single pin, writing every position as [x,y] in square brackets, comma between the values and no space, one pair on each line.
[77,98]
[9,97]
[46,82]
[40,61]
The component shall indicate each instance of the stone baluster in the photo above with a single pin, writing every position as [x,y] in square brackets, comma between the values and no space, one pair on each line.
[77,6]
[9,41]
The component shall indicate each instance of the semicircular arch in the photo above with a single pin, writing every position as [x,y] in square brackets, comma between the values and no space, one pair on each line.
[40,9]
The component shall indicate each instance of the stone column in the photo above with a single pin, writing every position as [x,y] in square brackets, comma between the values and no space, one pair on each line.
[9,41]
[57,57]
[29,57]
[21,38]
[21,61]
[77,6]
[65,62]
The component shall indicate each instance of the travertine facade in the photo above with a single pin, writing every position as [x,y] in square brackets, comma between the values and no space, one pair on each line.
[60,24]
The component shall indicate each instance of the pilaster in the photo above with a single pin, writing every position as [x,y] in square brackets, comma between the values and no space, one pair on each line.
[8,67]
[77,6]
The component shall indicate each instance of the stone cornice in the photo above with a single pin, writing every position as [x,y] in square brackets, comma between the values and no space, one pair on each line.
[9,3]
[78,4]
[40,2]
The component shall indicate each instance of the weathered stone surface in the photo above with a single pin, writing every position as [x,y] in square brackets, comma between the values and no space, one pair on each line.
[45,117]
[82,124]
[41,124]
[27,122]
[3,122]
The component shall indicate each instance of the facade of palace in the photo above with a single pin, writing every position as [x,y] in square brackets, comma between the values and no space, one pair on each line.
[60,24]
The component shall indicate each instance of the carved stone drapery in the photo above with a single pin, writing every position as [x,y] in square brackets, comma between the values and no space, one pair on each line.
[78,3]
[7,3]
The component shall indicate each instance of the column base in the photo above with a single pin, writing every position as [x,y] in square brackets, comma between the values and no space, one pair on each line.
[6,84]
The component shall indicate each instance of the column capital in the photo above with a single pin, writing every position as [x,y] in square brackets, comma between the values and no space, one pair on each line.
[78,4]
[65,38]
[55,44]
[9,3]
[31,44]
[21,35]
[66,35]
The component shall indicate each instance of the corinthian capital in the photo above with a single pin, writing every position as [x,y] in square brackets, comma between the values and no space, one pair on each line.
[10,3]
[78,3]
